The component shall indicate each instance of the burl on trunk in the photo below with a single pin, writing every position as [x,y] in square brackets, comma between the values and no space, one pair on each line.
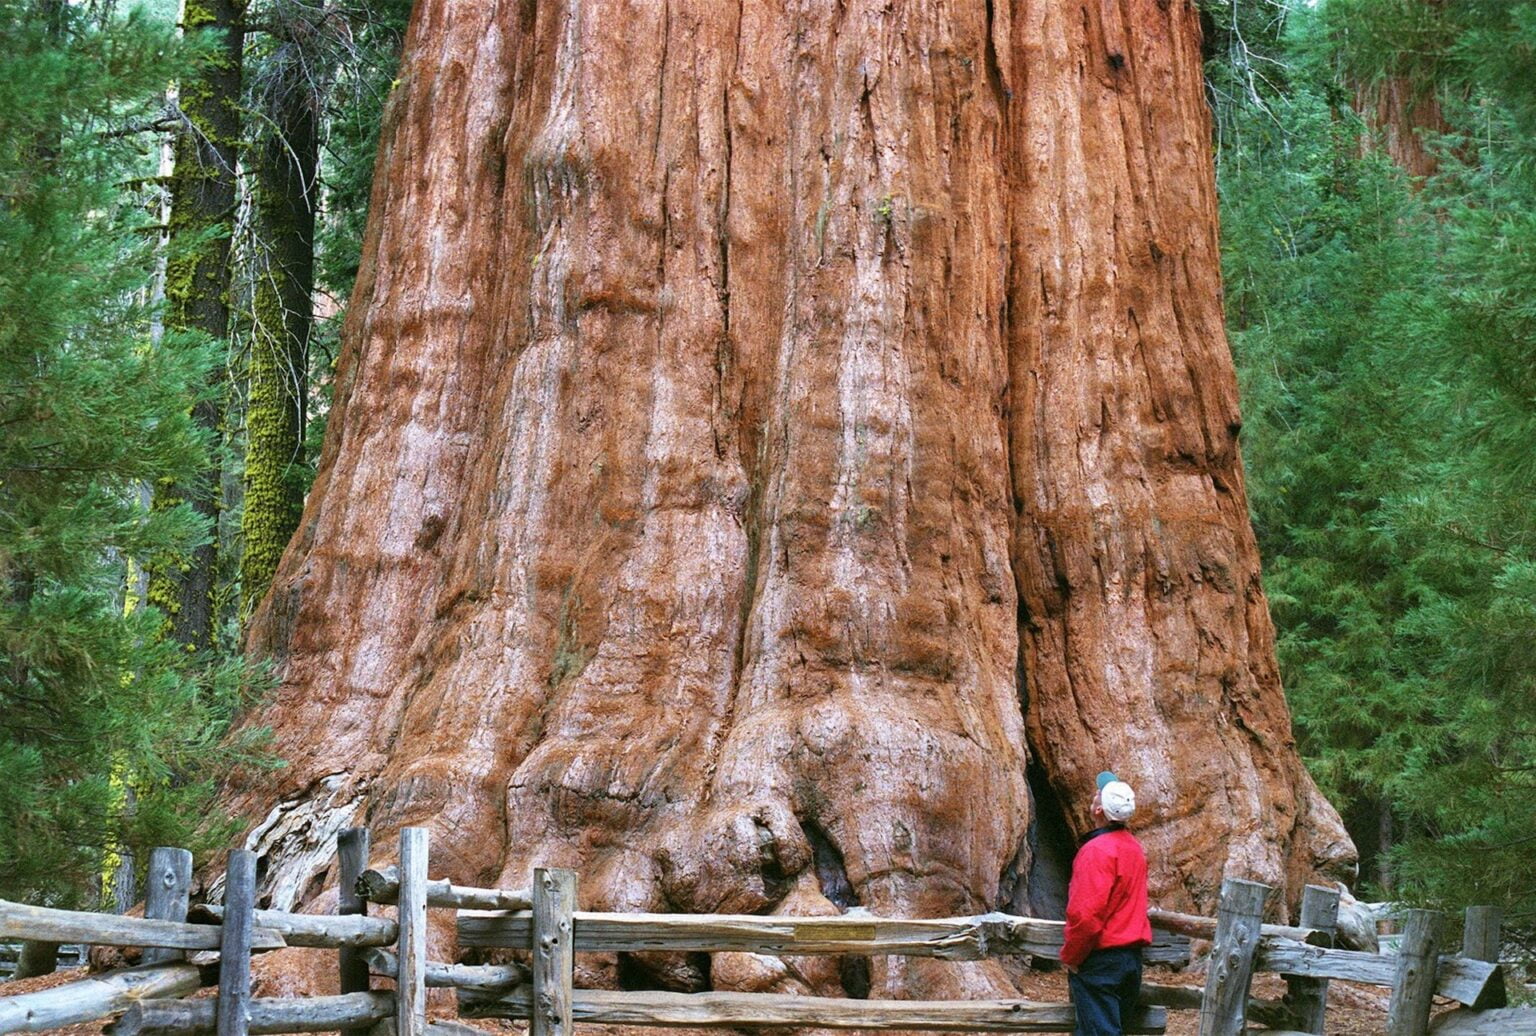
[762,430]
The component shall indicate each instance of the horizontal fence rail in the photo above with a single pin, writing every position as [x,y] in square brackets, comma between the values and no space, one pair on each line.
[274,1015]
[383,886]
[764,1010]
[488,977]
[959,938]
[1197,927]
[318,931]
[1469,982]
[18,921]
[99,996]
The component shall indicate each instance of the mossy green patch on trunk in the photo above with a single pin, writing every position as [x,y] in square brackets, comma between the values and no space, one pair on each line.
[202,189]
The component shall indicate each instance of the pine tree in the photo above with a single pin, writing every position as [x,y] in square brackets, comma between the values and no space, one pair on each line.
[90,697]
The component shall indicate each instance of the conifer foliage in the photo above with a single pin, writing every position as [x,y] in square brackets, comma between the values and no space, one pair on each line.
[1386,336]
[157,332]
[91,700]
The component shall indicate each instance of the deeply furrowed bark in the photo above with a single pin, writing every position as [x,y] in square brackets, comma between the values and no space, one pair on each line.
[758,425]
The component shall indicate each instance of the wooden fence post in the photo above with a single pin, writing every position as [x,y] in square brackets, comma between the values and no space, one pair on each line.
[1308,997]
[235,944]
[411,982]
[554,951]
[1413,990]
[352,846]
[38,957]
[167,891]
[1482,939]
[1224,1008]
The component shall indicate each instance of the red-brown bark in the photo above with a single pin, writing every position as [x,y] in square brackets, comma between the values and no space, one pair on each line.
[1406,119]
[758,425]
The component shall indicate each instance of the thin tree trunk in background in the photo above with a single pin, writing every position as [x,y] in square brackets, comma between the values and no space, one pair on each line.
[197,289]
[1385,839]
[124,877]
[287,167]
[758,429]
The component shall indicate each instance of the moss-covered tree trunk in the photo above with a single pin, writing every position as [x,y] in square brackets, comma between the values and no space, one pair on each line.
[287,163]
[197,287]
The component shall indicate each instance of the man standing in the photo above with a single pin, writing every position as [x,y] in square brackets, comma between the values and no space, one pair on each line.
[1107,915]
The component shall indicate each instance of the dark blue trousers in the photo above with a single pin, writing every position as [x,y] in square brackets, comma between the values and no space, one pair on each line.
[1104,990]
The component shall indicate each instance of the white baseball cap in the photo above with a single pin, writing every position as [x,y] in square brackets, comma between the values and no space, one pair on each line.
[1118,800]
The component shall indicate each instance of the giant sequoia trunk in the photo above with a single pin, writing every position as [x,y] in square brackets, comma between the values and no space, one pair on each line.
[762,430]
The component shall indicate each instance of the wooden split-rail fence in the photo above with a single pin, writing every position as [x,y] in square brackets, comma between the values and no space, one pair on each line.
[213,946]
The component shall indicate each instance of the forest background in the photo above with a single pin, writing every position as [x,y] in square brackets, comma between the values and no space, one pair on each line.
[183,190]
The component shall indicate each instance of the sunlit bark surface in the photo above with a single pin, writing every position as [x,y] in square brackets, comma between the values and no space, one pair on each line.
[762,430]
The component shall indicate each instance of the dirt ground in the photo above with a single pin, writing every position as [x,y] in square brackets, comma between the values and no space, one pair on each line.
[1353,1010]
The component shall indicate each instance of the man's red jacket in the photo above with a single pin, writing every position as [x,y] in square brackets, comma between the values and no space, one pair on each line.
[1107,900]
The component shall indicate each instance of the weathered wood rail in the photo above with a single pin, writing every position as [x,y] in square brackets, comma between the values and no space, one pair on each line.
[543,921]
[953,938]
[765,1010]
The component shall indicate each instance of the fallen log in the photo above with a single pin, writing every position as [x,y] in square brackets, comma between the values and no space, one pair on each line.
[271,1015]
[19,921]
[99,996]
[383,886]
[954,938]
[762,1010]
[322,931]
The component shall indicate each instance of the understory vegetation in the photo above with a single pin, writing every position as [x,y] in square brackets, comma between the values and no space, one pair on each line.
[1377,168]
[116,411]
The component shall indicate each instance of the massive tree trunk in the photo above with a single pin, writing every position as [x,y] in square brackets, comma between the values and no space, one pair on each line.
[761,429]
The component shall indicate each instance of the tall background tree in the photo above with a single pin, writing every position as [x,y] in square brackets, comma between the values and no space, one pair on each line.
[318,77]
[291,84]
[197,299]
